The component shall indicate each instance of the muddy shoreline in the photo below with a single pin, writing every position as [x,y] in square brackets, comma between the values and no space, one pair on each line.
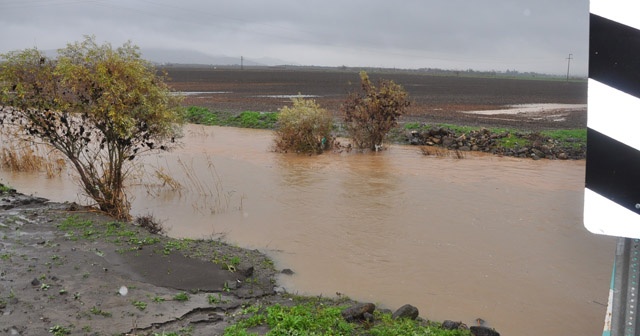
[67,267]
[70,270]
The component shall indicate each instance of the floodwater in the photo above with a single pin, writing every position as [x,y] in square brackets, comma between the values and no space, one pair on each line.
[485,237]
[532,108]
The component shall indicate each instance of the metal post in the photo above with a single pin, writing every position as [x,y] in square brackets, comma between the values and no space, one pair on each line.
[624,304]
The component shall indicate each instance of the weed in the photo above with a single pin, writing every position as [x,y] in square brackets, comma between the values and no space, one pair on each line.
[58,330]
[5,256]
[167,180]
[158,299]
[97,311]
[5,189]
[181,297]
[150,223]
[140,305]
[216,299]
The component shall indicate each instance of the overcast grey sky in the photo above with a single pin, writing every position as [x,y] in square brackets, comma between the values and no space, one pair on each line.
[526,35]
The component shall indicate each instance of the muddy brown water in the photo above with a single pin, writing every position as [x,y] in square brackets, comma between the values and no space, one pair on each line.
[485,237]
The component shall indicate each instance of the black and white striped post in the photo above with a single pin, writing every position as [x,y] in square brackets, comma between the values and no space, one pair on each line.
[612,189]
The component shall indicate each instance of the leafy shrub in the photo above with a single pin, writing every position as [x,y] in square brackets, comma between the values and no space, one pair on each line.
[304,128]
[100,107]
[372,113]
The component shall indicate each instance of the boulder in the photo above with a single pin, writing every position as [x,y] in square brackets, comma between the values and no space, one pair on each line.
[453,325]
[356,313]
[407,311]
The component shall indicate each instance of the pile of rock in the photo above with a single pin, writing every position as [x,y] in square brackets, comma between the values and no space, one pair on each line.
[363,312]
[533,145]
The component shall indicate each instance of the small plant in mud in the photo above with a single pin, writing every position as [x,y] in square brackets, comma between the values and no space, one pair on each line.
[6,189]
[216,299]
[58,330]
[140,305]
[98,311]
[304,128]
[150,223]
[182,296]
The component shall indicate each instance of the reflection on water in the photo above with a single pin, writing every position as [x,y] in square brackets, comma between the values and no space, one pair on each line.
[496,238]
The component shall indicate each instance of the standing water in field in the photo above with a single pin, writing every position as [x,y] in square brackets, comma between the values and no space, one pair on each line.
[485,237]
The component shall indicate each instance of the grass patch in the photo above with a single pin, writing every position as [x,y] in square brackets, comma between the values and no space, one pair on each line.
[512,141]
[246,119]
[311,316]
[568,137]
[181,297]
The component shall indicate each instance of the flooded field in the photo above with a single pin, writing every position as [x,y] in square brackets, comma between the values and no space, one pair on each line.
[485,237]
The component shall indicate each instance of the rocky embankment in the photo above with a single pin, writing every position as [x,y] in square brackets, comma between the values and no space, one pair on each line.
[526,145]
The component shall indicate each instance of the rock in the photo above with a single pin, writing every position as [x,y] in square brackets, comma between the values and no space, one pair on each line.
[447,142]
[35,282]
[407,311]
[452,325]
[368,317]
[563,156]
[540,154]
[465,148]
[287,271]
[356,313]
[483,331]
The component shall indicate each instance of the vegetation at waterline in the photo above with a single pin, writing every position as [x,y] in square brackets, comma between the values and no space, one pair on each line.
[304,128]
[99,106]
[370,114]
[5,188]
[246,119]
[318,316]
[563,144]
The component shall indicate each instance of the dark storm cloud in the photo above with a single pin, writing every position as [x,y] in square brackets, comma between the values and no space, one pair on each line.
[523,35]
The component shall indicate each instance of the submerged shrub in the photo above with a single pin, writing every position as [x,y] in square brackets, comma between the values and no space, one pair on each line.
[370,114]
[304,128]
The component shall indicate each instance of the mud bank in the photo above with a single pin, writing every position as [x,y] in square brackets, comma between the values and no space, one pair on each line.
[69,270]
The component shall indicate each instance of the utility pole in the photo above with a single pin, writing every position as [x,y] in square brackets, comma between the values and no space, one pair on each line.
[241,63]
[568,65]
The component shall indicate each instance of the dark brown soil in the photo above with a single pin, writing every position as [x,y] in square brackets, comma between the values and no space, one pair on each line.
[435,99]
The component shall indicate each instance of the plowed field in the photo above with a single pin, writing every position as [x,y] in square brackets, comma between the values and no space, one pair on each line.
[434,98]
